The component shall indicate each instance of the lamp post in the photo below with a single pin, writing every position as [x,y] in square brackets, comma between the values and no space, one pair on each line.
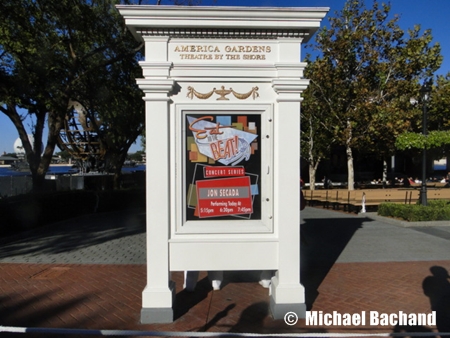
[425,93]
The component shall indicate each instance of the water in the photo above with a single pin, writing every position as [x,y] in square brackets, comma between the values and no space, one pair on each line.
[61,170]
[9,172]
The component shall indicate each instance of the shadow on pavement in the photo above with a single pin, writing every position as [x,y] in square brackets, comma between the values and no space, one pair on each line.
[27,310]
[185,300]
[437,288]
[415,330]
[253,319]
[76,233]
[323,240]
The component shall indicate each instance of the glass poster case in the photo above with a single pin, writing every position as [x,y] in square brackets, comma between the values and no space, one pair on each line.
[223,166]
[224,152]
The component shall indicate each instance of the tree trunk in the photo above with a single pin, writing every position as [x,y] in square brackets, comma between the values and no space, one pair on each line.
[312,174]
[116,161]
[350,168]
[117,178]
[349,152]
[385,168]
[39,163]
[312,177]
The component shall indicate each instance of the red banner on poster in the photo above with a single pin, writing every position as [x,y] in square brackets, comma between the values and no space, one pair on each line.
[222,197]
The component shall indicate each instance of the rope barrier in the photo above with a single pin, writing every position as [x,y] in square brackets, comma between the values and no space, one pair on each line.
[25,330]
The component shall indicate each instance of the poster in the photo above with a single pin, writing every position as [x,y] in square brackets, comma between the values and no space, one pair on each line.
[223,166]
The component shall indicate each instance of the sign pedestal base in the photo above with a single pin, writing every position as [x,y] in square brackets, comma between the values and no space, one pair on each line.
[157,305]
[279,311]
[286,297]
[156,315]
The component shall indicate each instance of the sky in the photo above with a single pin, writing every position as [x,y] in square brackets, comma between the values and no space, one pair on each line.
[432,14]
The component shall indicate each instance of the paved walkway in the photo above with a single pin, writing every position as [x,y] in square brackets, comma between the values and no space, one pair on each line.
[89,273]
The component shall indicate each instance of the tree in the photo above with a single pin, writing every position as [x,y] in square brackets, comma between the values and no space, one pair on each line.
[439,105]
[137,156]
[23,74]
[119,105]
[316,130]
[369,72]
[49,55]
[143,143]
[438,139]
[64,155]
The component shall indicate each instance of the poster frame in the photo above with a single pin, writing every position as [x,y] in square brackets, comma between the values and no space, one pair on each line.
[238,225]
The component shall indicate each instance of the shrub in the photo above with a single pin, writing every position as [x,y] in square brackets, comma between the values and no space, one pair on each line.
[435,211]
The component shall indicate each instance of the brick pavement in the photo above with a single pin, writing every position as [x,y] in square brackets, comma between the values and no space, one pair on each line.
[89,273]
[109,297]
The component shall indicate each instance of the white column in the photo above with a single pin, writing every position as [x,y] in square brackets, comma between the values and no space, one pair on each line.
[288,295]
[158,295]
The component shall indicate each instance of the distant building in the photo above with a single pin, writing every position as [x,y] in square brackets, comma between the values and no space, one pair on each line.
[5,160]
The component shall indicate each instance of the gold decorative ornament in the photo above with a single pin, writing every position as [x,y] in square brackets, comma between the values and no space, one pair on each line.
[192,92]
[222,92]
[253,93]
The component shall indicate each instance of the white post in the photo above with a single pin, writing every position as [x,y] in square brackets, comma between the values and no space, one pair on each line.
[287,294]
[157,297]
[363,203]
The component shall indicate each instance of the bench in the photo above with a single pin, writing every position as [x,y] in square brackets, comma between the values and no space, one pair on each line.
[438,194]
[341,198]
[334,197]
[313,196]
[322,196]
[429,185]
[360,199]
[365,198]
[329,197]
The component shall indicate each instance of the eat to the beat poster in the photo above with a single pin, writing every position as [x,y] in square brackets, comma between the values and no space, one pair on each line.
[223,166]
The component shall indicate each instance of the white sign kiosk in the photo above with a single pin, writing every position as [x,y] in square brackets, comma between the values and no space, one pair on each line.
[222,92]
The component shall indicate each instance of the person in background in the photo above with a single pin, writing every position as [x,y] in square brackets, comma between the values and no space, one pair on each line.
[327,184]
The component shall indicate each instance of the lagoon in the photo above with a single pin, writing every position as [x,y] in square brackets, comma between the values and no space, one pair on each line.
[62,170]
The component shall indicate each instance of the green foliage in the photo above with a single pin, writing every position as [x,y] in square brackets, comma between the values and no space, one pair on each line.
[137,156]
[410,140]
[439,104]
[435,139]
[317,131]
[438,120]
[65,155]
[366,72]
[52,52]
[434,211]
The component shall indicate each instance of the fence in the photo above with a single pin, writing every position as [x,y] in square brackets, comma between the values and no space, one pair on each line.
[17,185]
[14,185]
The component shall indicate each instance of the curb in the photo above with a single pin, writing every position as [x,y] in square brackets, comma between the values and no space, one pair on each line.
[404,224]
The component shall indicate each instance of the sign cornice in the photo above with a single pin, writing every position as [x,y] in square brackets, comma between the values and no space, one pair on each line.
[199,33]
[152,19]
